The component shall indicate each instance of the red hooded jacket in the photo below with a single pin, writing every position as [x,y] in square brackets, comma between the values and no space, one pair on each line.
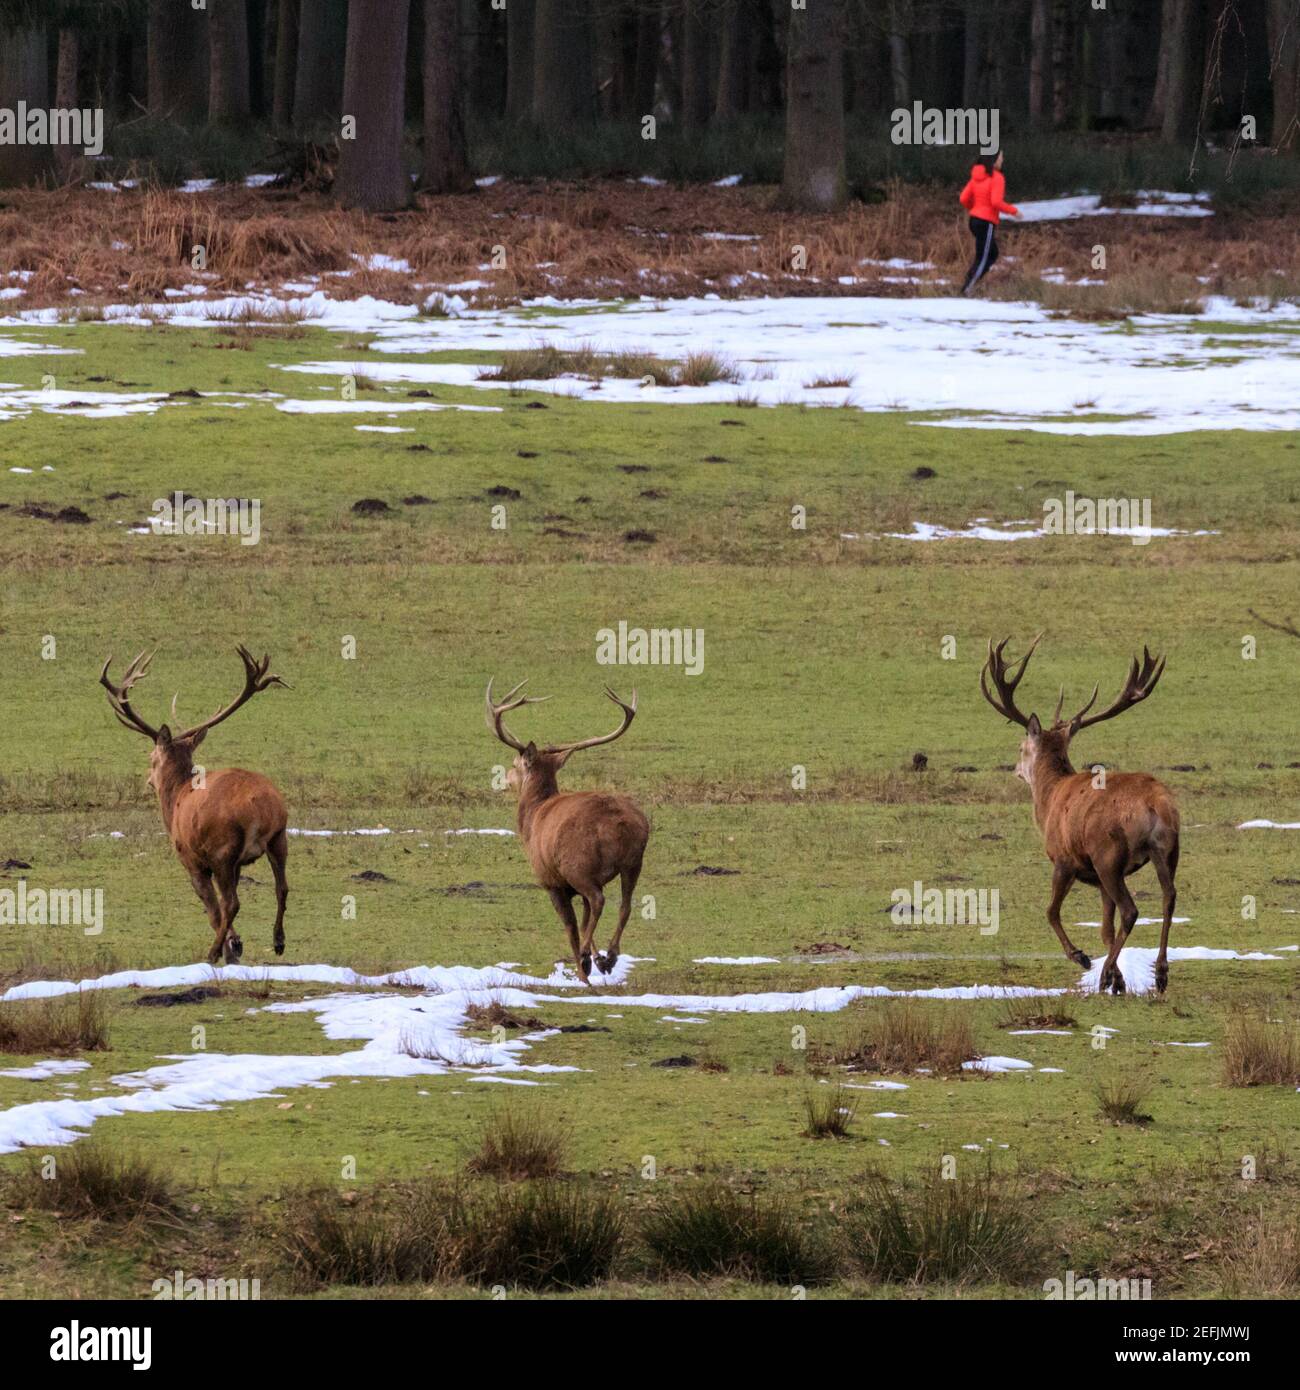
[984,196]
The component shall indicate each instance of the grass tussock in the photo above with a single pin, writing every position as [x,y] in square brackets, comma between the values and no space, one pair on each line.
[1120,1099]
[1263,1259]
[546,362]
[829,1111]
[1032,1012]
[542,1236]
[906,1035]
[62,1023]
[520,1141]
[956,1231]
[712,1230]
[1258,1051]
[93,1181]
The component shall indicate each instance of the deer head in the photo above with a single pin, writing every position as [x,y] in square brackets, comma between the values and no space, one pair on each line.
[534,768]
[1052,741]
[174,752]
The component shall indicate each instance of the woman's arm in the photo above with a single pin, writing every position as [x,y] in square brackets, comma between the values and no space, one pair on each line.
[967,197]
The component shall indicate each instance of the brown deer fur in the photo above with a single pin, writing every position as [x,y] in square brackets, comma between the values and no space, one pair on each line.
[577,842]
[220,821]
[1094,832]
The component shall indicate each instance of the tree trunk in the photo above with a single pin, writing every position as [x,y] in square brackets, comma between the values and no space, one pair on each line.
[519,59]
[445,168]
[900,56]
[66,87]
[371,172]
[814,177]
[695,65]
[24,77]
[178,48]
[286,64]
[228,90]
[1284,59]
[733,63]
[1113,88]
[972,74]
[561,63]
[1064,67]
[1186,78]
[322,42]
[649,32]
[1040,59]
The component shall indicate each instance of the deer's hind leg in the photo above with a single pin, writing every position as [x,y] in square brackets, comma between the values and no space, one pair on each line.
[1111,875]
[593,904]
[627,885]
[1111,979]
[277,851]
[227,877]
[562,898]
[202,881]
[1166,865]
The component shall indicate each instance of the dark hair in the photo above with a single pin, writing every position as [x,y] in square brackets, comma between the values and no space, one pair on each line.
[989,161]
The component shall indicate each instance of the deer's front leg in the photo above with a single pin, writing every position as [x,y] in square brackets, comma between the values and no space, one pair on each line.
[1062,882]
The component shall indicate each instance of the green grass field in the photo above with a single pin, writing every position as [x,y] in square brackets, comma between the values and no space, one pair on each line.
[842,658]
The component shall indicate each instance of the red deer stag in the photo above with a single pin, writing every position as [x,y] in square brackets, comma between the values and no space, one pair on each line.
[1096,834]
[218,822]
[577,842]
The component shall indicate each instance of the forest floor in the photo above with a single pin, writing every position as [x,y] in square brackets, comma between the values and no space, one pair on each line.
[81,250]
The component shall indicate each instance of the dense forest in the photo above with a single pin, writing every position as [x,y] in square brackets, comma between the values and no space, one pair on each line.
[374,80]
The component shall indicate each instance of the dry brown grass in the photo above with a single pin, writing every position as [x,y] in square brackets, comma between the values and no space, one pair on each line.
[904,1035]
[1259,1051]
[606,238]
[61,1023]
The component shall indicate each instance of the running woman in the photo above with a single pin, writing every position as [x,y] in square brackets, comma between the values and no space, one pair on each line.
[984,197]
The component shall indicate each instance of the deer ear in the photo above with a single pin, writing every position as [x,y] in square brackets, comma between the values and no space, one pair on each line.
[530,753]
[1033,728]
[164,739]
[198,738]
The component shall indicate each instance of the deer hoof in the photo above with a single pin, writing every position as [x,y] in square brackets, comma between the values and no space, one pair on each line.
[279,942]
[1081,958]
[1162,978]
[1117,985]
[233,950]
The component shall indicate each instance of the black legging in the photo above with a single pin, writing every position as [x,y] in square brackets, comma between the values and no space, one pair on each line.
[986,252]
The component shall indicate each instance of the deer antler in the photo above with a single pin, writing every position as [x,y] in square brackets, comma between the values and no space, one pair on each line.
[496,712]
[629,714]
[118,694]
[255,680]
[1140,684]
[1005,680]
[1288,626]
